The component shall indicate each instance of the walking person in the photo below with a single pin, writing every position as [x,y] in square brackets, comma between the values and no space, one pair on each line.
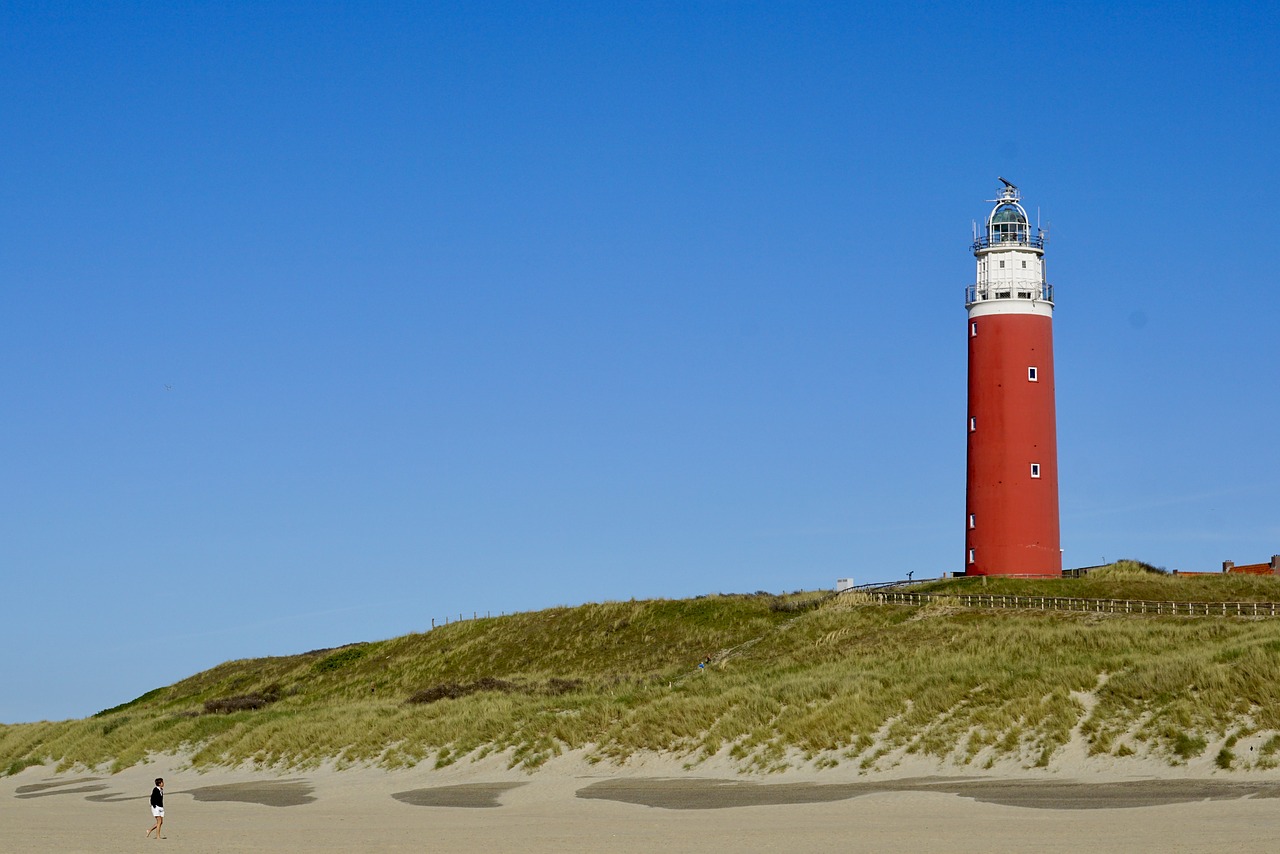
[157,806]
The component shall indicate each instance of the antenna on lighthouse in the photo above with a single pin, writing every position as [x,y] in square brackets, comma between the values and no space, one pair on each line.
[1007,183]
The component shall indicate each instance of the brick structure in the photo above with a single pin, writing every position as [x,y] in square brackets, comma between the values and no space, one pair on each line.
[1011,496]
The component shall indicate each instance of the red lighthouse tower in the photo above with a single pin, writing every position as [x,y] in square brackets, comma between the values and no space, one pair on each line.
[1011,498]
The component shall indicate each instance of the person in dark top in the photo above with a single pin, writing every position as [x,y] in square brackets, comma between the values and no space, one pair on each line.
[157,806]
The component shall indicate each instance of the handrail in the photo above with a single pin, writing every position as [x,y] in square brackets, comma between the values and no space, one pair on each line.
[1042,291]
[881,585]
[1078,604]
[985,241]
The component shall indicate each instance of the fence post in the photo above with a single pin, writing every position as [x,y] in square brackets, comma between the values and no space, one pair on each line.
[1061,603]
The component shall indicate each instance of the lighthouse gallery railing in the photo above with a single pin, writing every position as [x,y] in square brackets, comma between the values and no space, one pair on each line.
[1042,291]
[1023,239]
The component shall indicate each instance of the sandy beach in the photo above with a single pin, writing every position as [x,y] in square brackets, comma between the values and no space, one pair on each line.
[651,805]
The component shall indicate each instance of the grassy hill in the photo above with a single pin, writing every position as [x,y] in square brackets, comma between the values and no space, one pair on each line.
[802,678]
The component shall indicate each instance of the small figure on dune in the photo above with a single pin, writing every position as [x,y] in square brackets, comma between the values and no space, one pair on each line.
[702,665]
[157,806]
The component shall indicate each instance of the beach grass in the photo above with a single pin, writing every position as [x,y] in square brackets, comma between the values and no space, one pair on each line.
[801,678]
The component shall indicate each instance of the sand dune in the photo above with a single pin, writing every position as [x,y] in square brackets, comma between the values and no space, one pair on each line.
[649,805]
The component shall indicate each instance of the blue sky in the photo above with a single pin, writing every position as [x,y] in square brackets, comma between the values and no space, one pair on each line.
[323,320]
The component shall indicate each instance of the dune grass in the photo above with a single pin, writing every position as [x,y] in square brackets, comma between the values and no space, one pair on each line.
[807,677]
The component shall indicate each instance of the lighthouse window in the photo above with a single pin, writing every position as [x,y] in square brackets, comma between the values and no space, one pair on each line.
[1024,265]
[972,521]
[1033,374]
[973,424]
[1035,469]
[970,555]
[1001,265]
[973,330]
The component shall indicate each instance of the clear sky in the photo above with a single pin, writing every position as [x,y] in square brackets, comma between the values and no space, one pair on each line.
[322,320]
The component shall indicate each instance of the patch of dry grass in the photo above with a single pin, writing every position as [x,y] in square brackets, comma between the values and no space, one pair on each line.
[827,677]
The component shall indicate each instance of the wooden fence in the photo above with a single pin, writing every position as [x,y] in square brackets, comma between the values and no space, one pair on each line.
[1072,603]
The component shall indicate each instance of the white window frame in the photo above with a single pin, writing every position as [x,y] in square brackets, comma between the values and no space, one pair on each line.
[971,557]
[1033,374]
[1035,469]
[973,424]
[973,521]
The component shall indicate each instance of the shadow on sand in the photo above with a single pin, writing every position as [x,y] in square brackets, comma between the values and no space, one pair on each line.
[704,794]
[469,795]
[59,787]
[269,793]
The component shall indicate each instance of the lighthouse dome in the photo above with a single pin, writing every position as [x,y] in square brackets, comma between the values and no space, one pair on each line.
[1008,213]
[1008,224]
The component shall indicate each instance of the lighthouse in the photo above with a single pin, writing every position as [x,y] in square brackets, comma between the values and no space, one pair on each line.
[1011,495]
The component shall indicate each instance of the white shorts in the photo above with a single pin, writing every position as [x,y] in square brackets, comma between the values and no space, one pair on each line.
[158,812]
